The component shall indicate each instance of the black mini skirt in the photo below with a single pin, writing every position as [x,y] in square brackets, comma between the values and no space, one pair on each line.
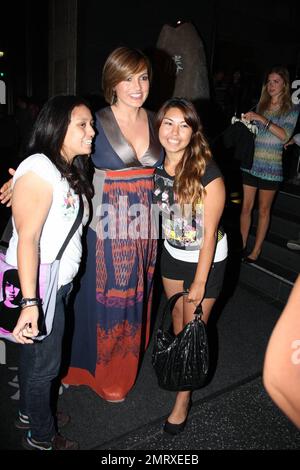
[176,269]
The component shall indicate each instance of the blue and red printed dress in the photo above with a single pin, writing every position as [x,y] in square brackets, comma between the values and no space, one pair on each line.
[113,305]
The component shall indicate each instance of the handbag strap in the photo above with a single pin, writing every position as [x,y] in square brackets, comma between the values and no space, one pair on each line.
[73,228]
[170,305]
[7,233]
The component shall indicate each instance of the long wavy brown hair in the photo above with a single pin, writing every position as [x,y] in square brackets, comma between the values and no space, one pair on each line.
[189,171]
[285,99]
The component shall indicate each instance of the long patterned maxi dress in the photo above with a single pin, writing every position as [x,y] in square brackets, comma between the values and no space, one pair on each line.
[112,306]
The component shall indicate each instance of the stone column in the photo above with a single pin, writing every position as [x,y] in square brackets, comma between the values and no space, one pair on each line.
[62,47]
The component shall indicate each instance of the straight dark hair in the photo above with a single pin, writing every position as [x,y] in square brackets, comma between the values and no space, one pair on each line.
[48,136]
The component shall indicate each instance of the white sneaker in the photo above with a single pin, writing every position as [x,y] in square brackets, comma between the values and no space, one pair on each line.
[293,244]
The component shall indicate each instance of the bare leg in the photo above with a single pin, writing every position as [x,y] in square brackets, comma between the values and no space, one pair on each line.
[171,287]
[281,373]
[183,313]
[249,193]
[265,201]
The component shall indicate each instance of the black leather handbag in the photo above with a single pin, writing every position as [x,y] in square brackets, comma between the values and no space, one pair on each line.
[181,361]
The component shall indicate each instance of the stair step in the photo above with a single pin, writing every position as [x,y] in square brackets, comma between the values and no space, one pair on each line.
[267,281]
[284,224]
[286,229]
[291,188]
[288,203]
[274,250]
[290,218]
[276,270]
[286,275]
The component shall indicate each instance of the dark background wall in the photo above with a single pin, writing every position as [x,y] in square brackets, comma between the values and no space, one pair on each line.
[24,39]
[236,34]
[135,23]
[257,34]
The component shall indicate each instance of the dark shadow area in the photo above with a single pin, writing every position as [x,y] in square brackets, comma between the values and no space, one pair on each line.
[8,156]
[96,102]
[163,80]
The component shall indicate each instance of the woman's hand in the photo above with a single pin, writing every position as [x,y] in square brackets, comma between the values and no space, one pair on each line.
[196,293]
[252,116]
[26,327]
[6,190]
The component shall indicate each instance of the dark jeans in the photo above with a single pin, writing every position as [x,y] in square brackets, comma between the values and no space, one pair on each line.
[39,366]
